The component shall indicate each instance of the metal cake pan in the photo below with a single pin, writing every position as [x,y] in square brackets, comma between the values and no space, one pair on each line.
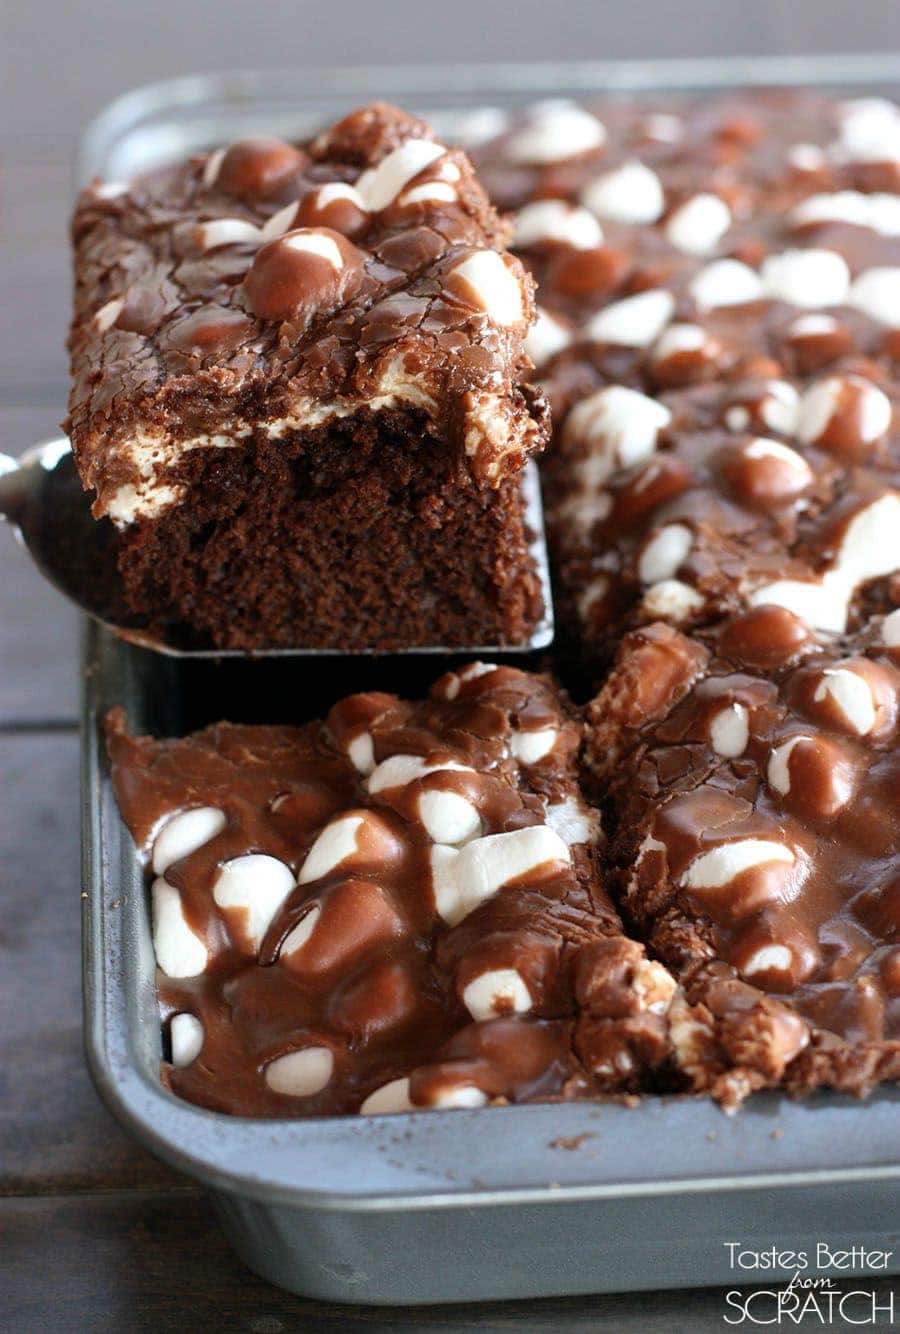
[462,1205]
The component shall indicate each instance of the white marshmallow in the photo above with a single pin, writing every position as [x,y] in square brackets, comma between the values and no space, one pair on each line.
[460,1095]
[768,957]
[582,511]
[806,277]
[302,1073]
[498,991]
[184,833]
[301,933]
[778,770]
[699,224]
[620,425]
[719,867]
[212,166]
[890,629]
[464,879]
[477,127]
[186,1038]
[361,753]
[876,293]
[870,130]
[448,817]
[179,952]
[227,231]
[437,192]
[545,338]
[400,770]
[336,842]
[729,731]
[763,448]
[807,157]
[530,747]
[111,189]
[283,220]
[390,1098]
[591,594]
[726,282]
[380,185]
[315,242]
[554,220]
[779,407]
[107,315]
[811,326]
[630,193]
[663,554]
[495,287]
[672,600]
[573,820]
[636,321]
[555,131]
[679,338]
[470,673]
[879,212]
[663,127]
[870,549]
[256,885]
[851,695]
[820,402]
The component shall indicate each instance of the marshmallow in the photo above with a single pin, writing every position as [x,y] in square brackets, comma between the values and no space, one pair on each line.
[437,192]
[301,933]
[302,1073]
[664,553]
[729,731]
[592,594]
[807,157]
[498,991]
[335,844]
[184,833]
[361,753]
[620,425]
[380,185]
[470,673]
[477,127]
[554,220]
[186,1039]
[530,747]
[545,338]
[876,293]
[572,820]
[718,867]
[769,958]
[227,231]
[636,321]
[285,219]
[679,338]
[779,407]
[179,952]
[672,600]
[316,243]
[778,772]
[107,315]
[254,886]
[806,277]
[494,287]
[213,165]
[879,212]
[463,879]
[799,473]
[870,130]
[448,817]
[890,629]
[630,193]
[555,131]
[851,695]
[699,224]
[390,1098]
[726,282]
[400,770]
[871,408]
[459,1096]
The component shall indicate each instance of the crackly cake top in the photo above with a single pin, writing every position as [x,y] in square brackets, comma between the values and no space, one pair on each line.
[719,334]
[396,908]
[268,286]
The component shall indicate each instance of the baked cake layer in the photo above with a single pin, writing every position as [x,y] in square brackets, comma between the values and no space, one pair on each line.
[348,294]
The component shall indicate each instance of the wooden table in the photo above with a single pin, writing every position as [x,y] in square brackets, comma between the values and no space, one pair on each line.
[96,1235]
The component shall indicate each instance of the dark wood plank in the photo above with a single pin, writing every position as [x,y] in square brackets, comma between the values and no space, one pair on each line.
[124,1264]
[54,1134]
[38,628]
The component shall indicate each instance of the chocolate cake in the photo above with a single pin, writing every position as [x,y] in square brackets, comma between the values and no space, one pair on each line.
[298,393]
[397,908]
[719,288]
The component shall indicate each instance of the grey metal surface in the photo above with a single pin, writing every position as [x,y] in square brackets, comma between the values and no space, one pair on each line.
[457,1205]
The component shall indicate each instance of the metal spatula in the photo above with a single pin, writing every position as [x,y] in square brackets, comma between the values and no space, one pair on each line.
[42,497]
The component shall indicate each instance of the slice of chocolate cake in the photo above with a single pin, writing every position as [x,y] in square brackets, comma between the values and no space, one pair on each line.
[298,393]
